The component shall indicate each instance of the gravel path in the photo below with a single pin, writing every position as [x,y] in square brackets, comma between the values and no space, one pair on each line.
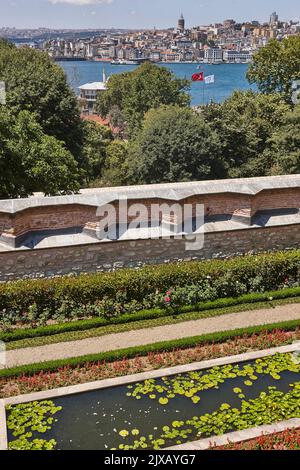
[151,335]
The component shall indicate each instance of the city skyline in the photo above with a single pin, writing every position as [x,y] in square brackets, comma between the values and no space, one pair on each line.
[98,14]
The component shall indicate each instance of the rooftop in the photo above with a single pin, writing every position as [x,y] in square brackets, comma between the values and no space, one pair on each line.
[95,86]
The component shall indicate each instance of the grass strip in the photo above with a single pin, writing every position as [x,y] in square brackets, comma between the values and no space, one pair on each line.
[82,325]
[164,346]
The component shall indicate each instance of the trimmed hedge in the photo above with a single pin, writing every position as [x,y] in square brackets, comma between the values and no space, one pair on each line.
[83,325]
[164,346]
[136,284]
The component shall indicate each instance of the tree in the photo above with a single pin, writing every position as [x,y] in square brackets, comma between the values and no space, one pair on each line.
[276,65]
[6,44]
[244,122]
[116,165]
[34,83]
[116,119]
[283,152]
[175,144]
[134,93]
[32,161]
[96,140]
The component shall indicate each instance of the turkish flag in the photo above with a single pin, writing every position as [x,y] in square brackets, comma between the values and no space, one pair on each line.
[198,77]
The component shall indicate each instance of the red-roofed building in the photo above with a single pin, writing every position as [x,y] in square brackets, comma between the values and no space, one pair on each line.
[99,120]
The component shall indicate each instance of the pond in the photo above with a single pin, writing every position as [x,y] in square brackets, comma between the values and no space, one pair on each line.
[164,412]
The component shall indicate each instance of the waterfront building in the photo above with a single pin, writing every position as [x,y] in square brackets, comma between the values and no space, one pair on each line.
[91,50]
[212,55]
[89,93]
[232,56]
[171,56]
[155,56]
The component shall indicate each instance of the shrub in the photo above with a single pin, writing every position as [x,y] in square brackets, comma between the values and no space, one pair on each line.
[130,290]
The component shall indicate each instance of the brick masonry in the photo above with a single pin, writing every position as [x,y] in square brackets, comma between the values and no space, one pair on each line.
[76,215]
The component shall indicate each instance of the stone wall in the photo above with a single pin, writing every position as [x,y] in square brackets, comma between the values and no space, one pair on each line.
[112,255]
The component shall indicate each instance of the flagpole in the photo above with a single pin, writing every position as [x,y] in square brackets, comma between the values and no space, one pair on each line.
[203,88]
[214,94]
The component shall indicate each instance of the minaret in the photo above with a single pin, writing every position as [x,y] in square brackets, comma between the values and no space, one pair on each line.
[104,78]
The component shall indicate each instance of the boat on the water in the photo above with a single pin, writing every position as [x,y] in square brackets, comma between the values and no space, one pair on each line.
[124,62]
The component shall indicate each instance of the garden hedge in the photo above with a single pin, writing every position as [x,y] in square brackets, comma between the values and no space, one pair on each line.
[164,346]
[211,306]
[272,269]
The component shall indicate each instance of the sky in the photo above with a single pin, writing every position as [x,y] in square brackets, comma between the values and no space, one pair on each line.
[100,14]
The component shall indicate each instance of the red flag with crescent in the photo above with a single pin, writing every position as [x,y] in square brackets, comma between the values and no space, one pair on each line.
[198,77]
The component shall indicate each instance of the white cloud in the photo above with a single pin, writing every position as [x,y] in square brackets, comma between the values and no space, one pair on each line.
[82,2]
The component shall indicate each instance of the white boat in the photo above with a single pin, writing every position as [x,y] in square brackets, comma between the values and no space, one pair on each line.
[124,62]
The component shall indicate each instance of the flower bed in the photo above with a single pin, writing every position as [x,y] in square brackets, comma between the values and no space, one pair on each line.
[287,440]
[92,371]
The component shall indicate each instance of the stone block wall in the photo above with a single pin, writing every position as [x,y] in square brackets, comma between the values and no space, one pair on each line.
[114,255]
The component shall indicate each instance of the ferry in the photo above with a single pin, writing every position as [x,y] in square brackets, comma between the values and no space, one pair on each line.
[124,62]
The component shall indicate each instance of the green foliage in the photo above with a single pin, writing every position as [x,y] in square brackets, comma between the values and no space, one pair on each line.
[269,270]
[208,309]
[244,123]
[175,144]
[36,84]
[269,407]
[134,93]
[189,385]
[4,44]
[276,65]
[25,421]
[117,121]
[283,152]
[139,351]
[32,161]
[115,171]
[96,140]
